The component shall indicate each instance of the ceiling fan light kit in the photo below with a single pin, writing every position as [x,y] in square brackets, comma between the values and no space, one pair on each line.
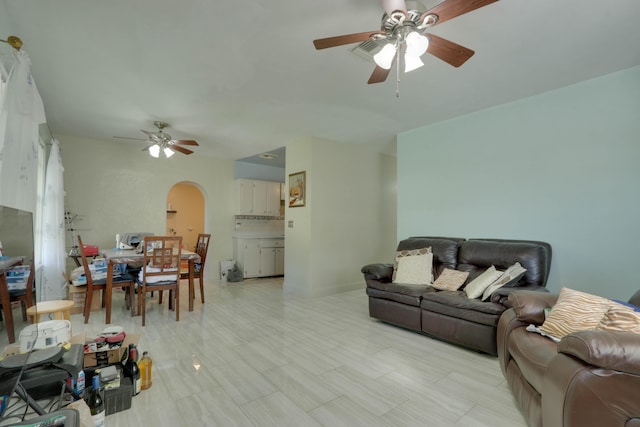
[161,141]
[403,30]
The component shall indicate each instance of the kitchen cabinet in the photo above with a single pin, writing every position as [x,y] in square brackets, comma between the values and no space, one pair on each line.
[257,197]
[260,257]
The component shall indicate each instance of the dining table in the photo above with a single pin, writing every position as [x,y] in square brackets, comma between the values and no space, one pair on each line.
[133,257]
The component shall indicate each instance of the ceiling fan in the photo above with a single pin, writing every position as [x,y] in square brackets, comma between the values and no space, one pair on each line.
[162,141]
[403,31]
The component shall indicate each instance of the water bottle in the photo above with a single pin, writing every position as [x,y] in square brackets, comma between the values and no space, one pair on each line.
[79,386]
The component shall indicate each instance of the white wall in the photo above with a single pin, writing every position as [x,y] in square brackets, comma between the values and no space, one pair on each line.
[348,220]
[244,170]
[562,167]
[116,188]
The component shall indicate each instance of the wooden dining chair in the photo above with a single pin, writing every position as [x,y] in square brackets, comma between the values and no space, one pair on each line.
[202,246]
[160,271]
[26,296]
[123,280]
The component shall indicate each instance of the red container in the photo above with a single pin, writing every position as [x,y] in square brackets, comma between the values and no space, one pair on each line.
[90,250]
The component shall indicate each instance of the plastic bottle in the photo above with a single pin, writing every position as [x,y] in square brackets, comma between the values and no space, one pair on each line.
[146,368]
[96,403]
[79,386]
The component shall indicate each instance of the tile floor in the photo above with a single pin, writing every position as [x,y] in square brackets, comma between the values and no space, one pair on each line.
[251,356]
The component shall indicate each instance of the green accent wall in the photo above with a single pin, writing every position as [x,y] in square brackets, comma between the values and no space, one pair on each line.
[563,167]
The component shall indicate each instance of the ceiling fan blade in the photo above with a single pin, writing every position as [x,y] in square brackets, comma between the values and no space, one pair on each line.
[180,149]
[448,51]
[450,9]
[379,75]
[126,137]
[342,40]
[149,134]
[391,5]
[184,142]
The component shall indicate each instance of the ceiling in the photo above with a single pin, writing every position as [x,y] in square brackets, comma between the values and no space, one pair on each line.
[243,78]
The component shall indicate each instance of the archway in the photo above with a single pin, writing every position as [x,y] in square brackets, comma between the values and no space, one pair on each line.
[185,213]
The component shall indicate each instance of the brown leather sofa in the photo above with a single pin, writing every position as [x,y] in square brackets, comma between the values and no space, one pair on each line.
[589,378]
[450,315]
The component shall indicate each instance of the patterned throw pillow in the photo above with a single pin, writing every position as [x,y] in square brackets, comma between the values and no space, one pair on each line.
[575,311]
[511,274]
[477,286]
[450,280]
[621,319]
[414,270]
[406,253]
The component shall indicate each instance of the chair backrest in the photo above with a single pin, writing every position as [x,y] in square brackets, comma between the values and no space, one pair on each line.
[202,246]
[85,262]
[161,258]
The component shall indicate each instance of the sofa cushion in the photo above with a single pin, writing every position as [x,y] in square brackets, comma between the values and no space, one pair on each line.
[532,353]
[450,280]
[575,311]
[414,270]
[399,292]
[456,304]
[476,255]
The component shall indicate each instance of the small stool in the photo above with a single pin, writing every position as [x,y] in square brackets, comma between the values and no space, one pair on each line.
[61,309]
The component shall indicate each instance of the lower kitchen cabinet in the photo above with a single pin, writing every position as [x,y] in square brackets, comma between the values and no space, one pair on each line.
[260,257]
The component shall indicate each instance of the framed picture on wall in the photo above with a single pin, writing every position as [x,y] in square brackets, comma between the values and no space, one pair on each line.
[297,189]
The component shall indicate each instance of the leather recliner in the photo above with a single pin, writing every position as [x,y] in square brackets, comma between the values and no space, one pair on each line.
[589,378]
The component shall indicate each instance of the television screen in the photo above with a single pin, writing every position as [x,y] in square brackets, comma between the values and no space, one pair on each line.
[16,233]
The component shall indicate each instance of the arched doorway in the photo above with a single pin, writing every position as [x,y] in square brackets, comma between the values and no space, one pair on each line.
[185,213]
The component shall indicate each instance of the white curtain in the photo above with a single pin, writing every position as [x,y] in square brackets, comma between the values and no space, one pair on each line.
[21,113]
[53,230]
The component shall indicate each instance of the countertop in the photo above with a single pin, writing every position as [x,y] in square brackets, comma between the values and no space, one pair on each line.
[257,236]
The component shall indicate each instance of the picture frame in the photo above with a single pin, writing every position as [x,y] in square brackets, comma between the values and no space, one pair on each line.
[297,189]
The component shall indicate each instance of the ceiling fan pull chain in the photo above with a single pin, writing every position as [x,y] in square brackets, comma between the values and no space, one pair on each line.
[398,72]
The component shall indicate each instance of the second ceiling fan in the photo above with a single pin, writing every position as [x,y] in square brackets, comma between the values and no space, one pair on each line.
[404,31]
[161,141]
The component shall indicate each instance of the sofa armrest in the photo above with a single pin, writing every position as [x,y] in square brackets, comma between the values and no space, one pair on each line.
[530,305]
[501,295]
[618,351]
[577,394]
[506,324]
[380,272]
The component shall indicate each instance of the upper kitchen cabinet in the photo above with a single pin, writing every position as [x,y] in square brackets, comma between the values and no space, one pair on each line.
[261,198]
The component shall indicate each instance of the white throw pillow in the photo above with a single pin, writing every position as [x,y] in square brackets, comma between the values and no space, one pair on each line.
[414,270]
[408,252]
[477,286]
[516,271]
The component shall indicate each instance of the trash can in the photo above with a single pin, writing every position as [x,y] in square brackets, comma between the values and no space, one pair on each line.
[225,266]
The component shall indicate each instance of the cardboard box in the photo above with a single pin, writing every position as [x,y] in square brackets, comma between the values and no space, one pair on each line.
[14,348]
[16,283]
[108,357]
[17,277]
[77,294]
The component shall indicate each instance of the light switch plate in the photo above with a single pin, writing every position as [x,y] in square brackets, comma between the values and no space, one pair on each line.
[290,224]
